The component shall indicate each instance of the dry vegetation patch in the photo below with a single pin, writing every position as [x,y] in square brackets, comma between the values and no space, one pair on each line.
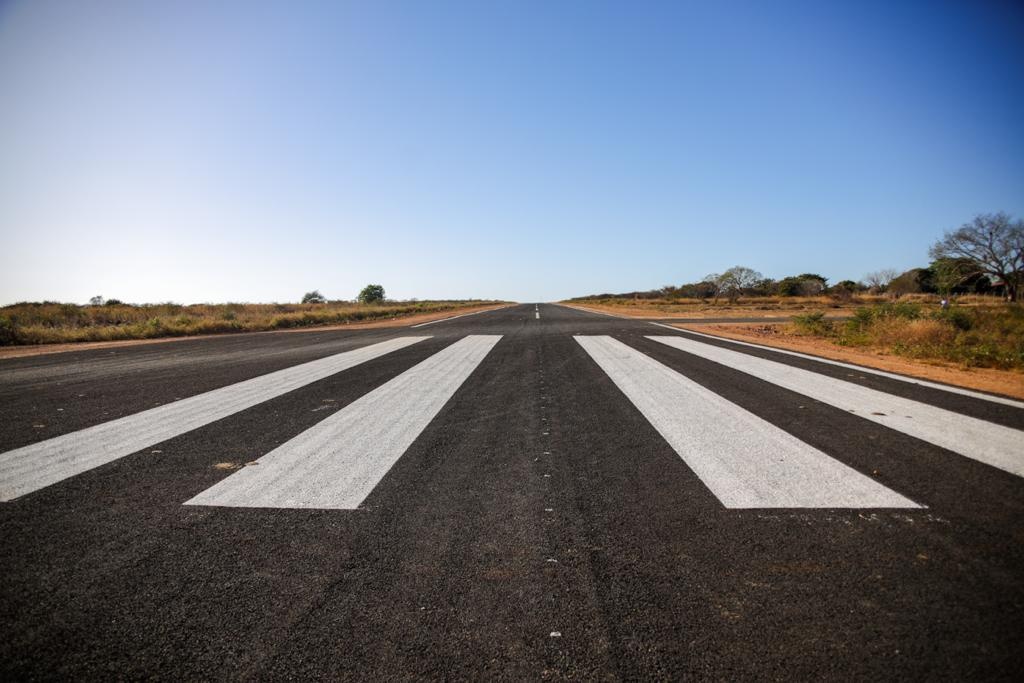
[981,336]
[766,306]
[759,306]
[53,323]
[980,348]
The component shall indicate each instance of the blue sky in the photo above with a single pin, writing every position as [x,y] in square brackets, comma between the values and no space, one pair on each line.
[197,151]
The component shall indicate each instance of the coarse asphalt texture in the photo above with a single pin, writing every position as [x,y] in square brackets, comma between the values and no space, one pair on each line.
[539,527]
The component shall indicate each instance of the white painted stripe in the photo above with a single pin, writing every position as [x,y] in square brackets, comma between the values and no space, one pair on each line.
[33,467]
[463,315]
[537,313]
[746,461]
[986,442]
[338,462]
[859,368]
[591,310]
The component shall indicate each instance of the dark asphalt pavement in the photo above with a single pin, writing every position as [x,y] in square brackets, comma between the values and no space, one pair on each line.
[540,501]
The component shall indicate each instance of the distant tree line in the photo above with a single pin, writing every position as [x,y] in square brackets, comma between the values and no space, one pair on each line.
[985,256]
[370,294]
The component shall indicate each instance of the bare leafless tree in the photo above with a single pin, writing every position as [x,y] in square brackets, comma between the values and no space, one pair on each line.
[714,283]
[994,243]
[738,278]
[880,279]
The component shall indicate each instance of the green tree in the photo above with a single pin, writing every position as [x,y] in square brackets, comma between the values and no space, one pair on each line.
[845,289]
[949,274]
[812,284]
[847,285]
[913,281]
[371,294]
[314,297]
[807,284]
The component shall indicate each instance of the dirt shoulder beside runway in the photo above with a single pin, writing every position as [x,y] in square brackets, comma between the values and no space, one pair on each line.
[707,312]
[769,333]
[398,321]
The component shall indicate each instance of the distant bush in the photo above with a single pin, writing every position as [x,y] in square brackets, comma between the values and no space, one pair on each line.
[8,331]
[371,294]
[314,297]
[806,284]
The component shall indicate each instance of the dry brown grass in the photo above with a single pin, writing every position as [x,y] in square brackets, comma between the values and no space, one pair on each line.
[974,336]
[926,332]
[767,306]
[53,323]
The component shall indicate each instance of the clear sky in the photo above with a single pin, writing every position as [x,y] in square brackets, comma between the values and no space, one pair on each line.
[201,151]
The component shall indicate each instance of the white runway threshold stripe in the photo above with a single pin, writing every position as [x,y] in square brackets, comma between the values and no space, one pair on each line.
[38,465]
[746,461]
[859,368]
[339,461]
[986,442]
[455,317]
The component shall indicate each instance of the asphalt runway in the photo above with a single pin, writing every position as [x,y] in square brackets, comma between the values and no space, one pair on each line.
[535,492]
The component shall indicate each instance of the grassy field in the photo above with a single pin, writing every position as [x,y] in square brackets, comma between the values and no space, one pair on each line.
[49,322]
[767,305]
[972,336]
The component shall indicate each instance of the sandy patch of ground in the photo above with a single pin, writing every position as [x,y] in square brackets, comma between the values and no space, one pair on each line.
[1005,382]
[398,321]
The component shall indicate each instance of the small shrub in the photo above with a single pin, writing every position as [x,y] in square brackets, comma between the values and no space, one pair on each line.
[8,331]
[813,323]
[956,317]
[905,310]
